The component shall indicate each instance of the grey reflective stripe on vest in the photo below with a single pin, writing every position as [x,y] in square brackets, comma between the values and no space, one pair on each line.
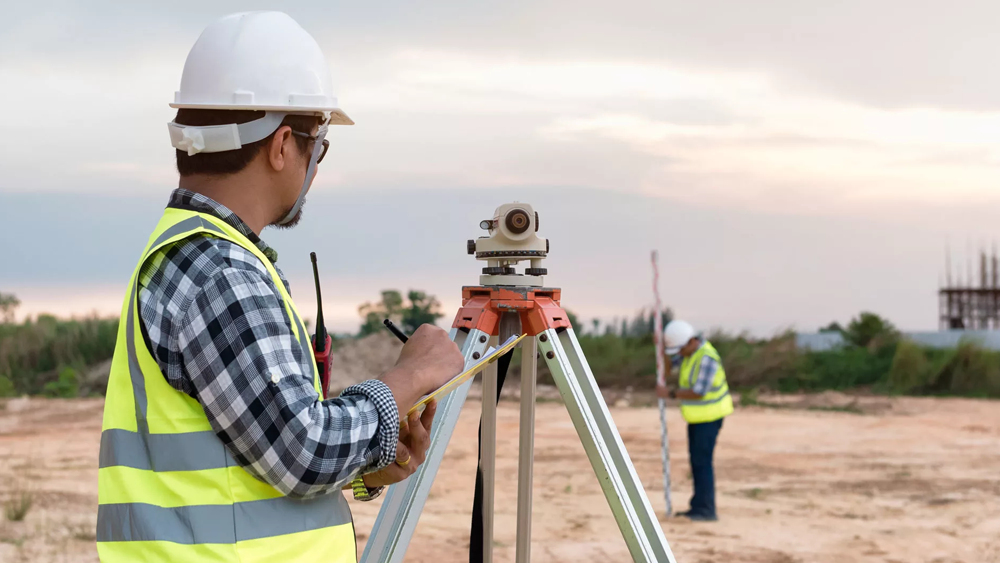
[190,451]
[134,370]
[705,402]
[242,521]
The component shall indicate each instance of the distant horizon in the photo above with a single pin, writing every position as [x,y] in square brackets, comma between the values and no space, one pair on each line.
[565,218]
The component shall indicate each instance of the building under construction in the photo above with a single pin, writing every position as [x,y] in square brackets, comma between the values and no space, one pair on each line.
[968,307]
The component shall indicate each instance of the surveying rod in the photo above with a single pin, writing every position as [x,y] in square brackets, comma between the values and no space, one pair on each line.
[661,380]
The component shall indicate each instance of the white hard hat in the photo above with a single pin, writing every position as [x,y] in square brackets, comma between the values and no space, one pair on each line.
[258,61]
[676,335]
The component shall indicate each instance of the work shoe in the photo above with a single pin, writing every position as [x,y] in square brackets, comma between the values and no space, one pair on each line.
[701,517]
[684,514]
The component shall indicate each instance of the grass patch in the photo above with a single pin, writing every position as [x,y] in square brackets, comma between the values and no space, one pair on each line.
[749,397]
[17,507]
[16,542]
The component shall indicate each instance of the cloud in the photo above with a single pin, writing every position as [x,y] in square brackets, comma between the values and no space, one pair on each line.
[807,150]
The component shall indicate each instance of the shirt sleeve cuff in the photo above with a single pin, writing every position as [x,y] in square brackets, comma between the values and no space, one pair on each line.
[388,418]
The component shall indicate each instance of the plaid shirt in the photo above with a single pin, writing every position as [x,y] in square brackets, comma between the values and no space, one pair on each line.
[216,325]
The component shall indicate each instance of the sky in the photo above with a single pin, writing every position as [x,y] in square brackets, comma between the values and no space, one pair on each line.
[793,162]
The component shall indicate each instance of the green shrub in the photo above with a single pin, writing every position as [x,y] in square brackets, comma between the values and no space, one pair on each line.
[972,371]
[32,353]
[66,387]
[911,370]
[751,363]
[840,369]
[6,387]
[869,329]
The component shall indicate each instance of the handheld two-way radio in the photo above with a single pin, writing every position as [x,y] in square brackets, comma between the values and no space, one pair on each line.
[321,341]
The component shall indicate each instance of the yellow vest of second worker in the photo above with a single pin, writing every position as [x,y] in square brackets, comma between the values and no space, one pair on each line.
[168,490]
[717,402]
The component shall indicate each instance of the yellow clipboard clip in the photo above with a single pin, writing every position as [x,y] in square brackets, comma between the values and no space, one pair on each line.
[465,375]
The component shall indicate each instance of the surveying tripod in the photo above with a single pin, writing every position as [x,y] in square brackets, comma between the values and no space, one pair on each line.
[505,304]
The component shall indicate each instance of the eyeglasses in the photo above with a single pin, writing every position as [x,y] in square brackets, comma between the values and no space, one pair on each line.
[326,143]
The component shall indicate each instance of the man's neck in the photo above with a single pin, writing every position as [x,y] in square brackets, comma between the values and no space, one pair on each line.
[238,192]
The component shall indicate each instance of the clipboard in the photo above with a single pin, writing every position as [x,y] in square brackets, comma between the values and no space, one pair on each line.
[461,378]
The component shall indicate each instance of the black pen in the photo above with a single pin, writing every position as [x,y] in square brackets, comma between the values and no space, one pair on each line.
[395,330]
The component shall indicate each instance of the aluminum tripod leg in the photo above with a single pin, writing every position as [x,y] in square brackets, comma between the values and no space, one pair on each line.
[404,501]
[488,457]
[604,447]
[526,451]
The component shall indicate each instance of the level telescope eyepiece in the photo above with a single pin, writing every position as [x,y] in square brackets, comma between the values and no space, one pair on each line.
[512,238]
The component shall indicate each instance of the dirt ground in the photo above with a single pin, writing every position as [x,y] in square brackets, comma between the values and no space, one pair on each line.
[904,481]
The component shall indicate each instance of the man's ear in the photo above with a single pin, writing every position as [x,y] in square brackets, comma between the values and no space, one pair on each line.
[277,155]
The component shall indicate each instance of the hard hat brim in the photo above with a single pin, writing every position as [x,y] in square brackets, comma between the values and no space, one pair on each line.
[337,115]
[672,351]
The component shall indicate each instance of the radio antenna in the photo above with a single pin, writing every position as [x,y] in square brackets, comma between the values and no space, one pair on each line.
[320,327]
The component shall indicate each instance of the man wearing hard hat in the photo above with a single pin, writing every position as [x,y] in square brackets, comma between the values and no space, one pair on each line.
[705,401]
[217,444]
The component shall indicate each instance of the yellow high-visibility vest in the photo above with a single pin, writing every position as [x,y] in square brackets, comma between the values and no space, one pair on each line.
[717,402]
[168,490]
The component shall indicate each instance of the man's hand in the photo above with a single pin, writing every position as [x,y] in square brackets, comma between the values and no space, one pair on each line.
[411,450]
[428,360]
[432,355]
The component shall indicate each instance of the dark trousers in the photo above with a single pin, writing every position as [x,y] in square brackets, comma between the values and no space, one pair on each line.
[701,446]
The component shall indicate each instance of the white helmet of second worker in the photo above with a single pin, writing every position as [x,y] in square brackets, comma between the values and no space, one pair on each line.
[676,335]
[261,61]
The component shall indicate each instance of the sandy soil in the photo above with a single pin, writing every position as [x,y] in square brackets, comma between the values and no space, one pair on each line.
[910,480]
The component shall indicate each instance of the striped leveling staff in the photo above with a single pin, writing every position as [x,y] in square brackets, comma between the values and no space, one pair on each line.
[661,380]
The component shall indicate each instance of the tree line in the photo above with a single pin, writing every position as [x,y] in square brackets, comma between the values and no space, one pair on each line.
[49,356]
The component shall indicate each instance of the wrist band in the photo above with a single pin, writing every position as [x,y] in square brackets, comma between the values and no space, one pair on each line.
[362,492]
[359,489]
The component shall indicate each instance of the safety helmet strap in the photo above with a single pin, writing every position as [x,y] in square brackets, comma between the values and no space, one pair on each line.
[310,173]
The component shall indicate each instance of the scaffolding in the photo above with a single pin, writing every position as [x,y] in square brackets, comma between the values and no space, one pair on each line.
[967,307]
